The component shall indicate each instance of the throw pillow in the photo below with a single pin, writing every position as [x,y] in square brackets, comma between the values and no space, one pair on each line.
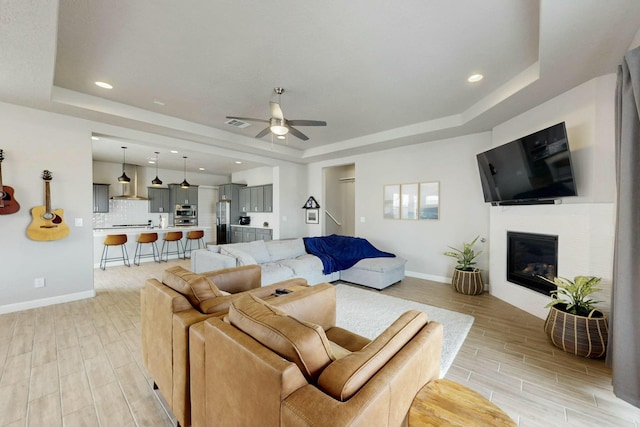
[302,343]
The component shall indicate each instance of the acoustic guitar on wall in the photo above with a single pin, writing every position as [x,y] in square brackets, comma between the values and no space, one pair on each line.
[47,224]
[8,204]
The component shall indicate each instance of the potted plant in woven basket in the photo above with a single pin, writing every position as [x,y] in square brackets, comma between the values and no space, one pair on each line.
[573,323]
[466,277]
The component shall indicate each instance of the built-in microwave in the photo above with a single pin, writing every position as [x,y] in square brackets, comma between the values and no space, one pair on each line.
[186,211]
[183,222]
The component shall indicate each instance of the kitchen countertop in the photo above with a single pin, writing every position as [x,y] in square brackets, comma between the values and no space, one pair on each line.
[250,226]
[136,230]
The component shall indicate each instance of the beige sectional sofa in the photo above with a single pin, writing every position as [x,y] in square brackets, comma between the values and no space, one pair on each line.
[285,259]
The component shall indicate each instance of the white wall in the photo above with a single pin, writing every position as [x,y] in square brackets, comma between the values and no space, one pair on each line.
[32,141]
[584,224]
[463,213]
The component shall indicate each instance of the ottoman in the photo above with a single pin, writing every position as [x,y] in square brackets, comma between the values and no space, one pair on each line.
[377,273]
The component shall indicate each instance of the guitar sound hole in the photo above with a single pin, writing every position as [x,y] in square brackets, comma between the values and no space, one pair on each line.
[48,216]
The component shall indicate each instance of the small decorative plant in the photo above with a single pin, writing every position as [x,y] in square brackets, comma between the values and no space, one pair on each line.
[465,256]
[573,296]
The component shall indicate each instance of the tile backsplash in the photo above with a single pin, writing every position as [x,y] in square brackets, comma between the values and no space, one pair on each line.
[127,212]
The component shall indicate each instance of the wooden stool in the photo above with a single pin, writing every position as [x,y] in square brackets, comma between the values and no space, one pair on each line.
[172,236]
[142,239]
[114,240]
[194,235]
[447,403]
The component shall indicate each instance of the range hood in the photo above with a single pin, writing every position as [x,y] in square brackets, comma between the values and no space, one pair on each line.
[130,190]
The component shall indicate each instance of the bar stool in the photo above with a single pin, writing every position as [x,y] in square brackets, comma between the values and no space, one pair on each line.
[172,236]
[194,236]
[114,240]
[144,238]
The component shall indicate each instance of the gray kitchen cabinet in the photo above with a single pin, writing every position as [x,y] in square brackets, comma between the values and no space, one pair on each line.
[236,234]
[263,234]
[183,196]
[257,199]
[159,200]
[268,198]
[248,234]
[245,199]
[100,198]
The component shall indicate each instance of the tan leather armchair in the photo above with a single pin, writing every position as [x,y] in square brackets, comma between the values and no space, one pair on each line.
[183,298]
[262,367]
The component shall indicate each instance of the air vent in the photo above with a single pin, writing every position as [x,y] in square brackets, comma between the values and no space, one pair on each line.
[237,123]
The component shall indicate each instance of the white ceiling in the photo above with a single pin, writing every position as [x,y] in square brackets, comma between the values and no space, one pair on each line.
[382,74]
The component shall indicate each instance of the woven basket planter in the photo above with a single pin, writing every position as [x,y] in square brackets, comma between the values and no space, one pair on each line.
[467,282]
[580,335]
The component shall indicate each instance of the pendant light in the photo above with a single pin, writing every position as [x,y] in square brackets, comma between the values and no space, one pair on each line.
[156,182]
[124,179]
[185,184]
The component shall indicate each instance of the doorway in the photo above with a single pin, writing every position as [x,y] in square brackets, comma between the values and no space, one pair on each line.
[340,200]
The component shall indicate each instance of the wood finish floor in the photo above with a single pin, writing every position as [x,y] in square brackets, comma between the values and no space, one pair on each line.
[79,363]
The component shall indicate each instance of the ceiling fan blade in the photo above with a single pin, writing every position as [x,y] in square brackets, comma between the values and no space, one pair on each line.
[248,118]
[295,132]
[263,132]
[307,122]
[276,111]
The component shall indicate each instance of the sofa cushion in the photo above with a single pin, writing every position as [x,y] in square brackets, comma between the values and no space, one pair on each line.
[302,343]
[195,287]
[257,249]
[273,273]
[344,377]
[242,257]
[381,265]
[284,249]
[303,264]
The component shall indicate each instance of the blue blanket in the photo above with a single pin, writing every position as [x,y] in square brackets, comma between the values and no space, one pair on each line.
[341,252]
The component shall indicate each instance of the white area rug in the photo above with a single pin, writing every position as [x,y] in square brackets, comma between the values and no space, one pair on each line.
[369,313]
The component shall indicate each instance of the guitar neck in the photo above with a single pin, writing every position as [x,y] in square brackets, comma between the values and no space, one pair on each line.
[47,197]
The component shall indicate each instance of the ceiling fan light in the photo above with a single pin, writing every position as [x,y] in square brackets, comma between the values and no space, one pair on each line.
[278,126]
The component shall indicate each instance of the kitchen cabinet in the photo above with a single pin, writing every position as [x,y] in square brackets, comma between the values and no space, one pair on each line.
[100,198]
[245,199]
[257,199]
[249,234]
[159,200]
[264,234]
[183,196]
[268,198]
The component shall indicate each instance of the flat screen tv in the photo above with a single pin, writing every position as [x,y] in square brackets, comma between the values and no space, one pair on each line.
[533,169]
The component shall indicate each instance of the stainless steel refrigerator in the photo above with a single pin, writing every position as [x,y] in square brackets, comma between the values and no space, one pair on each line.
[223,222]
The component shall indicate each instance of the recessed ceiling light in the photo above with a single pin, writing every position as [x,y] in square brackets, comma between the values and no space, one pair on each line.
[158,102]
[475,78]
[95,138]
[201,169]
[152,162]
[281,137]
[174,151]
[104,85]
[238,162]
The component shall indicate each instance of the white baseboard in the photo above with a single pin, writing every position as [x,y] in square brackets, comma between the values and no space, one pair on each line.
[444,280]
[27,305]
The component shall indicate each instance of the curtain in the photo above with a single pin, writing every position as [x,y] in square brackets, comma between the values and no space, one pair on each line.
[623,351]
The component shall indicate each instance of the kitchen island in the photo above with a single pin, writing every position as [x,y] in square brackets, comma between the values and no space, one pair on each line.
[132,234]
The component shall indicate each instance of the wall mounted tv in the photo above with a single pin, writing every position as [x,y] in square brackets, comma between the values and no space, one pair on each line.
[535,169]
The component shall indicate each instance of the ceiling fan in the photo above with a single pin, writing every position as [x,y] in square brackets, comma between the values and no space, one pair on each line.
[278,124]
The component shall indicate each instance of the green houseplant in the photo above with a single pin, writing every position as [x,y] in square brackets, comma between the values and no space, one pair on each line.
[466,277]
[574,324]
